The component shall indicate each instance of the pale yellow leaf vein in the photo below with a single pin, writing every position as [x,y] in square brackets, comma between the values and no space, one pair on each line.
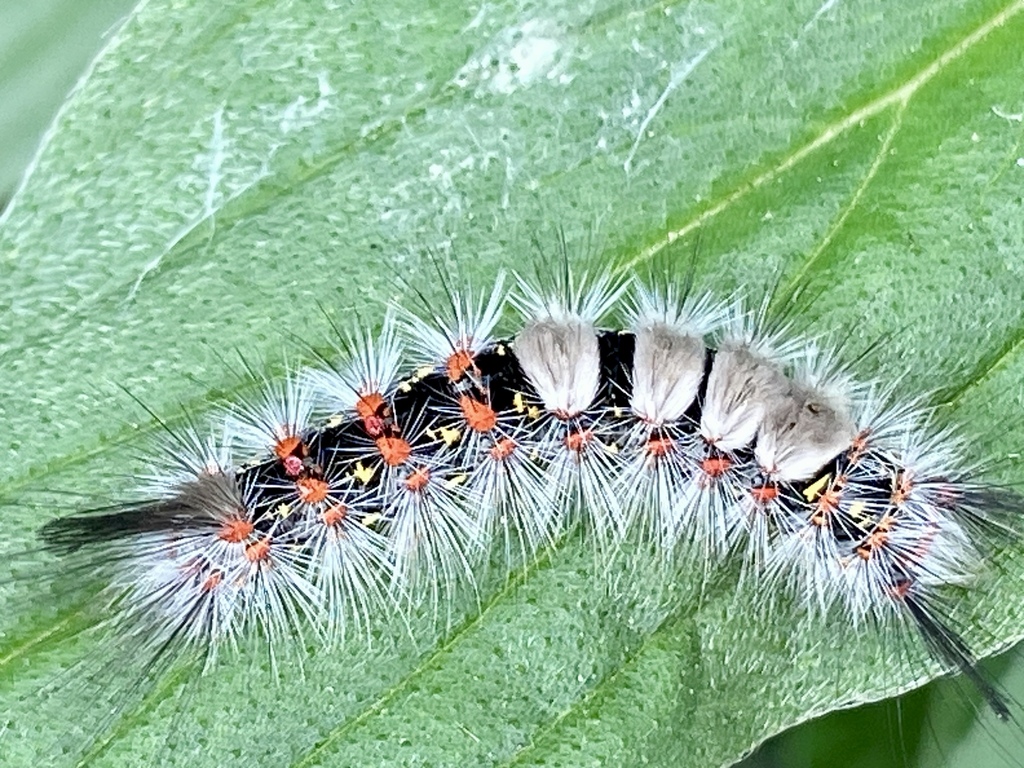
[897,97]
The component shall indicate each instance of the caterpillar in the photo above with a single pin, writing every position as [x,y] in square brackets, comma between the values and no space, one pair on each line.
[382,476]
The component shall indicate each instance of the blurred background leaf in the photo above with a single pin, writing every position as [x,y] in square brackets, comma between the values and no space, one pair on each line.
[45,46]
[223,169]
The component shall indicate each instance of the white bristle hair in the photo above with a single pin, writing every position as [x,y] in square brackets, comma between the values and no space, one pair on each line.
[366,364]
[464,323]
[278,412]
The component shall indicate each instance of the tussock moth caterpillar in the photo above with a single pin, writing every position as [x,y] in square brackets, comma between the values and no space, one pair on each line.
[377,481]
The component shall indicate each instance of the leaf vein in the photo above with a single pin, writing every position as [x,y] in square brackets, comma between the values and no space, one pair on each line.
[898,96]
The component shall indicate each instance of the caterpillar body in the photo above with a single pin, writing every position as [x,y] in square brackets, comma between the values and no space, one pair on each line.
[381,477]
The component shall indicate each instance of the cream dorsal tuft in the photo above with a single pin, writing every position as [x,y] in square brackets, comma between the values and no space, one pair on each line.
[558,346]
[670,353]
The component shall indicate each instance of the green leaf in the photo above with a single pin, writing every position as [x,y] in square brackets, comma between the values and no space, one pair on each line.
[226,169]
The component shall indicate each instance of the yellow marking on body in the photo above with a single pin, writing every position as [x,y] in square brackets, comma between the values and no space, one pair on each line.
[423,371]
[336,420]
[612,448]
[533,412]
[617,412]
[500,350]
[518,402]
[404,386]
[857,510]
[371,520]
[363,474]
[813,491]
[283,510]
[456,480]
[450,435]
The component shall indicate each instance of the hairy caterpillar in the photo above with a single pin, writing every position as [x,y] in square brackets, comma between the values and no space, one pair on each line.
[378,480]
